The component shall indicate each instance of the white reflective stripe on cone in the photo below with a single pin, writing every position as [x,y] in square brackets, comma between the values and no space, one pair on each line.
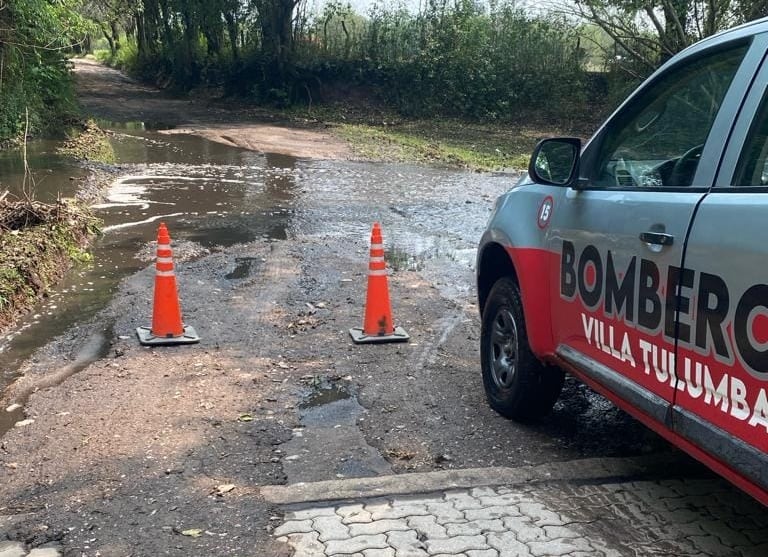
[165,274]
[377,246]
[377,273]
[165,259]
[377,260]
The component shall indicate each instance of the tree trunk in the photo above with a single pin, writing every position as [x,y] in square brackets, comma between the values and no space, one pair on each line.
[232,32]
[275,17]
[110,40]
[115,36]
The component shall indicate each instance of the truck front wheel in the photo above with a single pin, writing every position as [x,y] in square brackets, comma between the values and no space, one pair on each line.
[517,384]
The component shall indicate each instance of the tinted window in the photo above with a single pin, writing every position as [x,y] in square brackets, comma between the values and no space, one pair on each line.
[658,138]
[752,169]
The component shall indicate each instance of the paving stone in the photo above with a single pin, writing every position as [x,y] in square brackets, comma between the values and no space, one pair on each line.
[45,552]
[356,545]
[445,512]
[489,513]
[478,492]
[377,505]
[524,530]
[462,500]
[401,511]
[540,514]
[456,544]
[331,528]
[474,528]
[507,545]
[755,551]
[11,549]
[556,548]
[482,553]
[294,527]
[723,532]
[415,500]
[757,536]
[642,513]
[306,545]
[388,552]
[555,532]
[711,545]
[314,512]
[602,549]
[504,500]
[406,544]
[378,527]
[428,527]
[354,514]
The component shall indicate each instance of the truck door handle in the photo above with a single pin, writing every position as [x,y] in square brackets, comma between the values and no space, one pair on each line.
[657,238]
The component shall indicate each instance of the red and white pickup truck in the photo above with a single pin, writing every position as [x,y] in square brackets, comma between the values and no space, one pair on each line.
[639,263]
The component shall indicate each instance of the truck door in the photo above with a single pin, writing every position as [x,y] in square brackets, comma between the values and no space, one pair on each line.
[620,235]
[721,401]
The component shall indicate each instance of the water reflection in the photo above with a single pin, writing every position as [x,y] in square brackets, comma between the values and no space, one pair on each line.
[207,193]
[53,175]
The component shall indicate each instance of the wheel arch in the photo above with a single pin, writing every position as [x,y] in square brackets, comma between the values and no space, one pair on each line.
[498,258]
[494,262]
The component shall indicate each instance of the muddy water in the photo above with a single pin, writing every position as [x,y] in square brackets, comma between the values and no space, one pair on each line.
[213,196]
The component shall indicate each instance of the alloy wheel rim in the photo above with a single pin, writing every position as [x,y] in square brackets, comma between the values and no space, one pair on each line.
[503,348]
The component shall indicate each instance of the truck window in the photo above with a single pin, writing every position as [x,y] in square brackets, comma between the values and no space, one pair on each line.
[752,169]
[658,138]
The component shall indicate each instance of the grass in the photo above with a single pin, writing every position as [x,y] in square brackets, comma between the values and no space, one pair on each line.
[377,134]
[88,142]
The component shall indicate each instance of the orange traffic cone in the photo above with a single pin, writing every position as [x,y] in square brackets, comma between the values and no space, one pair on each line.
[167,327]
[377,324]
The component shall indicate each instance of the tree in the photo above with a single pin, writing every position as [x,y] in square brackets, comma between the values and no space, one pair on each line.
[35,35]
[646,33]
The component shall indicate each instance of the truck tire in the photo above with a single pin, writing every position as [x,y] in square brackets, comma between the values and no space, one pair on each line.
[517,384]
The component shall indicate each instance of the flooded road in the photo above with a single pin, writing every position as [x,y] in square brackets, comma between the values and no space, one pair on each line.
[213,196]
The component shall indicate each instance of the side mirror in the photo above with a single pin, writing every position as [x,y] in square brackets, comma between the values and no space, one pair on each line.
[555,162]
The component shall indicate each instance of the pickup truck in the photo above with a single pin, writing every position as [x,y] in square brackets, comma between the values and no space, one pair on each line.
[639,262]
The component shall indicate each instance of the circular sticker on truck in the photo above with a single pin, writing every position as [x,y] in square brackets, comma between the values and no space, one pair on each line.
[545,211]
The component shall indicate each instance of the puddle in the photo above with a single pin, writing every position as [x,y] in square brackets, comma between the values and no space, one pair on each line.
[326,395]
[208,194]
[212,196]
[401,260]
[329,443]
[54,176]
[243,268]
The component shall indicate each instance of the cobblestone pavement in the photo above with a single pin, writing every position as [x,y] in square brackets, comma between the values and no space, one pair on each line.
[695,518]
[16,549]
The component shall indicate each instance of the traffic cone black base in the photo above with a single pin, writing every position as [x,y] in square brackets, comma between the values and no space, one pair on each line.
[148,339]
[359,336]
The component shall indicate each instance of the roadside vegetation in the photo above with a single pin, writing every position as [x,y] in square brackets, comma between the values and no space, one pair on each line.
[451,142]
[38,243]
[480,62]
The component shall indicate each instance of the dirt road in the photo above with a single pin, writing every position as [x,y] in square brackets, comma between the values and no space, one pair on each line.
[163,451]
[111,96]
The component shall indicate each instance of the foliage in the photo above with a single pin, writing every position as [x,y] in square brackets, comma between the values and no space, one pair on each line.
[458,59]
[646,33]
[34,76]
[88,142]
[38,243]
